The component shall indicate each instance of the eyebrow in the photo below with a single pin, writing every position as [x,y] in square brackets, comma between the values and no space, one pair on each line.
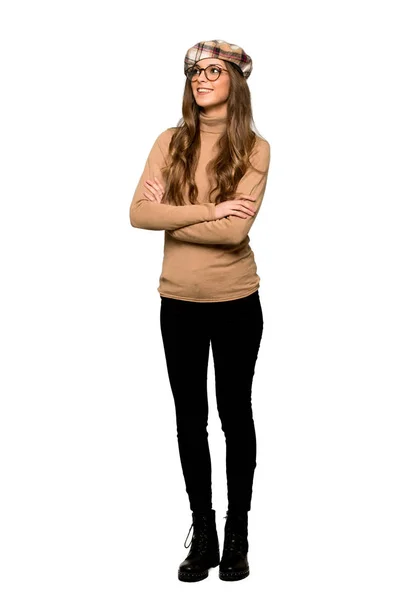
[210,65]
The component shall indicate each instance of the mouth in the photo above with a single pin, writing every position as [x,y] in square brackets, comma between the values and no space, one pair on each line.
[204,90]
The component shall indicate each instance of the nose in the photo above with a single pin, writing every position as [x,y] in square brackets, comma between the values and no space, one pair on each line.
[202,77]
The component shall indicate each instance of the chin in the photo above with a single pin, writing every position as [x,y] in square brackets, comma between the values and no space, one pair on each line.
[203,102]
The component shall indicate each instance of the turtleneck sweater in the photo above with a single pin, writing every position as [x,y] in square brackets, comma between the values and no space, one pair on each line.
[209,124]
[205,259]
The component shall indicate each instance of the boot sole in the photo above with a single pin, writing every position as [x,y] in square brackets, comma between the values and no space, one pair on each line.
[190,577]
[233,575]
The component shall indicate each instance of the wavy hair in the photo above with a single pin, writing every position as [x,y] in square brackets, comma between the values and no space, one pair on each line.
[235,145]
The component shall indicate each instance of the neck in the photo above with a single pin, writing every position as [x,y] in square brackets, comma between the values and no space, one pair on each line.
[212,124]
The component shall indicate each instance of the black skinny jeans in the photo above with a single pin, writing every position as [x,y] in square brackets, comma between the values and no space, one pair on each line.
[234,328]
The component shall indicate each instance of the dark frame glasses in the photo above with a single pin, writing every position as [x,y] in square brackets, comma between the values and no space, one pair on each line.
[193,73]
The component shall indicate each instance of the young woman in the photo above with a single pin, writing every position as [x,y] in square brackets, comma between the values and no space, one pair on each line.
[203,183]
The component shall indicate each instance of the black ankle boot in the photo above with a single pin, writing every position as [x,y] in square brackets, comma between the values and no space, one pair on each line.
[204,551]
[234,564]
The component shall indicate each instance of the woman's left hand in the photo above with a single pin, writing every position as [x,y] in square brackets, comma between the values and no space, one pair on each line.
[155,191]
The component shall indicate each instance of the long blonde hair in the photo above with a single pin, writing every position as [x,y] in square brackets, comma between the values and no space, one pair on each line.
[234,146]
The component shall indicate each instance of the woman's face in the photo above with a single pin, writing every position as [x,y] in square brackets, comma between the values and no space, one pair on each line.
[219,88]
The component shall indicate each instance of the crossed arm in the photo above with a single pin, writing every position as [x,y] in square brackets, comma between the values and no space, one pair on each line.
[196,223]
[231,229]
[152,215]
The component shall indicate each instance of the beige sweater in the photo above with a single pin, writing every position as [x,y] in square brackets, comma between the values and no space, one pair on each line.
[205,259]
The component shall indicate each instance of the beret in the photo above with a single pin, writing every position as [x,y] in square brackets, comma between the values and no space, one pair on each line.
[219,49]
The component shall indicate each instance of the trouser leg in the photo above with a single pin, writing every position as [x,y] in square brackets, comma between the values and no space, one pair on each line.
[236,332]
[186,340]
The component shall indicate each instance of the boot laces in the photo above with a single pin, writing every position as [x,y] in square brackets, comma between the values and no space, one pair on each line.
[199,537]
[191,527]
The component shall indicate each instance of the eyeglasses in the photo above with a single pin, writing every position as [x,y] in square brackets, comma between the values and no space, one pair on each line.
[212,72]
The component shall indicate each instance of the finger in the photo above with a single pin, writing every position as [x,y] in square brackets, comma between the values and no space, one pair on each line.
[155,185]
[154,196]
[150,184]
[248,197]
[249,209]
[251,206]
[239,213]
[248,212]
[153,191]
[148,196]
[159,183]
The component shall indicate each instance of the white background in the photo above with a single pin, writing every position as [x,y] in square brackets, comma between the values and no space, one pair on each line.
[93,503]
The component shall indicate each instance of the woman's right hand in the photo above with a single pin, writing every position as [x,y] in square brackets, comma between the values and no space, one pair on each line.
[241,207]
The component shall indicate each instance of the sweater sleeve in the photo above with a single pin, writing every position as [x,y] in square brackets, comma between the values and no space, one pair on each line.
[232,229]
[146,214]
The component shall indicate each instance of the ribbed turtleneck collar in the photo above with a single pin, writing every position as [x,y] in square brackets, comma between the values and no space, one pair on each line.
[212,124]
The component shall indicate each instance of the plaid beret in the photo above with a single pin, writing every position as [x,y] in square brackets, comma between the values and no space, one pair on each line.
[219,49]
